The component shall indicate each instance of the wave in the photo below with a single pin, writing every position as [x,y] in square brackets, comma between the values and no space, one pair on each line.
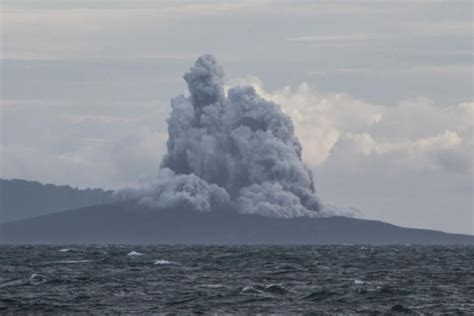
[164,262]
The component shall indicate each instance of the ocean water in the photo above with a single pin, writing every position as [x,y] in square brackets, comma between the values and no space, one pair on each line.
[236,279]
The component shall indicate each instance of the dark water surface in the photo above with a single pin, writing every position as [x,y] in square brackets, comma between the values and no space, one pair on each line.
[237,279]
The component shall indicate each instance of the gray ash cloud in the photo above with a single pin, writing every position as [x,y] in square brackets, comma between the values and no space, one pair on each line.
[237,152]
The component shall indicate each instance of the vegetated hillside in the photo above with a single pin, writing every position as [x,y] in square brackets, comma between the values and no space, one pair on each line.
[21,199]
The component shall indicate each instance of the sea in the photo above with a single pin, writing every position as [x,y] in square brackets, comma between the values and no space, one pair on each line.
[218,280]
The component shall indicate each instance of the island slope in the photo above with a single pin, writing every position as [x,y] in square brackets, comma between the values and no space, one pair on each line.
[126,224]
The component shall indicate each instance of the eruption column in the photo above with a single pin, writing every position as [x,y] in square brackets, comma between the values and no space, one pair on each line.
[236,152]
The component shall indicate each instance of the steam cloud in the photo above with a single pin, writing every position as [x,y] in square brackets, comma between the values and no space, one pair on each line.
[236,152]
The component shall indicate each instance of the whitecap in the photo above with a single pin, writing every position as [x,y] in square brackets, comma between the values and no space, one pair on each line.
[164,262]
[134,253]
[72,261]
[65,250]
[251,290]
[36,279]
[212,286]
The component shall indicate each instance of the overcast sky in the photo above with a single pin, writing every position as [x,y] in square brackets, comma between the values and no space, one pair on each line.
[380,93]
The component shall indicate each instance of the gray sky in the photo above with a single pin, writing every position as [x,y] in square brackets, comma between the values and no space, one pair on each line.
[380,93]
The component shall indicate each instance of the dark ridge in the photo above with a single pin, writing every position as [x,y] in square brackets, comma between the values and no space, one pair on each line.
[126,224]
[20,199]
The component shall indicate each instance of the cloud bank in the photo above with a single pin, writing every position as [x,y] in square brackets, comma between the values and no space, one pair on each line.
[229,152]
[415,134]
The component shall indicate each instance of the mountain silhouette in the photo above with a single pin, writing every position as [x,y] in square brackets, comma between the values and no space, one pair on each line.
[20,199]
[124,223]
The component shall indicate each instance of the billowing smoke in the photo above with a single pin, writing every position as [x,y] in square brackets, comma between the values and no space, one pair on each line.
[236,152]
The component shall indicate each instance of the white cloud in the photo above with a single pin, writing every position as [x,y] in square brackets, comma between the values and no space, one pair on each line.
[415,133]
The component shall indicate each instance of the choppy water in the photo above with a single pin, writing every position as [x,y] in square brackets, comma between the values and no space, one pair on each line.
[236,279]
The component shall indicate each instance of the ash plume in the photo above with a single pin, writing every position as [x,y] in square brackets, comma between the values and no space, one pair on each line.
[236,152]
